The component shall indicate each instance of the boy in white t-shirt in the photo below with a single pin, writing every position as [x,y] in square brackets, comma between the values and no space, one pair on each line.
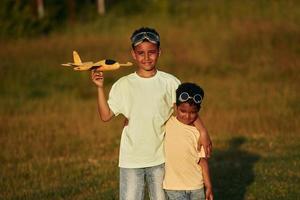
[186,169]
[146,99]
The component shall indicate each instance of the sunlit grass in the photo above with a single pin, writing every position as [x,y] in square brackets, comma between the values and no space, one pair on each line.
[53,145]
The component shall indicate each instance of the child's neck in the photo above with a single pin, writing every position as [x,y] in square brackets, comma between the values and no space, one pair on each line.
[146,74]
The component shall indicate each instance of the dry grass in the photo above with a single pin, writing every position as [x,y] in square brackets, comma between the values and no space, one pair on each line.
[53,145]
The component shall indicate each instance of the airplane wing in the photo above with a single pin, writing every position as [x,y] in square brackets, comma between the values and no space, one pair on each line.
[84,66]
[99,63]
[108,65]
[126,64]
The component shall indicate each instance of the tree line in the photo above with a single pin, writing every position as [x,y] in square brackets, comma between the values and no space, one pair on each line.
[20,18]
[31,17]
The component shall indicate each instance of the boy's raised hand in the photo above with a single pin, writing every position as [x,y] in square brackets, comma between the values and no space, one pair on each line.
[98,78]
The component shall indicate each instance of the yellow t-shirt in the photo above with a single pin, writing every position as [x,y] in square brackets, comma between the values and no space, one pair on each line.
[148,104]
[182,171]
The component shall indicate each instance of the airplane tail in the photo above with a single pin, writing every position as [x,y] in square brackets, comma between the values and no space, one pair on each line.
[76,58]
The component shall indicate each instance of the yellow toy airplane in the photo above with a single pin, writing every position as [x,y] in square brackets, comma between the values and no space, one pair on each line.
[102,65]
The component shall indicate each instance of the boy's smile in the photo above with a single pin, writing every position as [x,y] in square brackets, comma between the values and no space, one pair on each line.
[146,55]
[186,113]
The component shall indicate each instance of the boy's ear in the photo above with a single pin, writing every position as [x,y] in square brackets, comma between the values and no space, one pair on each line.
[159,51]
[133,54]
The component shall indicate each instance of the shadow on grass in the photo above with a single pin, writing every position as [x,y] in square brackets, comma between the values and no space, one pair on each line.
[232,170]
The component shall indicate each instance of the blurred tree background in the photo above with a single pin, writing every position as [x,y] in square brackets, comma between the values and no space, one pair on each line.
[35,17]
[41,17]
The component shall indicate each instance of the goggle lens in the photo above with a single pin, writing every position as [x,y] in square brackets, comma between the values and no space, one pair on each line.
[197,98]
[137,39]
[183,97]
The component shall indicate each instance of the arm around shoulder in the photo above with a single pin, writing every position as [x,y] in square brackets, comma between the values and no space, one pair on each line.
[204,140]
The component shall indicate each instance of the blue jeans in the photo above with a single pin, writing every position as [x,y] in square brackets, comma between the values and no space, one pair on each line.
[132,182]
[186,194]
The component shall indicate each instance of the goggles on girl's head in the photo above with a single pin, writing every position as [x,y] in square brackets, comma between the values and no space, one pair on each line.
[140,37]
[183,97]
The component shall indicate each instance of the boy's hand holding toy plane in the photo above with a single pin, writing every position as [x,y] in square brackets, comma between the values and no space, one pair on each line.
[102,65]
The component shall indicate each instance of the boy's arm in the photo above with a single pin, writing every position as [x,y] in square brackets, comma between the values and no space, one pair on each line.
[204,139]
[104,111]
[206,177]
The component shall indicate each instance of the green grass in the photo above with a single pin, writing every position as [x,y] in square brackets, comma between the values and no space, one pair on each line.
[53,145]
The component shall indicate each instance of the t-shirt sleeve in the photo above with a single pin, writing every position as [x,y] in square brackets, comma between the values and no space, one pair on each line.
[115,99]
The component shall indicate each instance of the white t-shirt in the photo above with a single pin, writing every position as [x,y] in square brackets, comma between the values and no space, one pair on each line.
[147,103]
[182,171]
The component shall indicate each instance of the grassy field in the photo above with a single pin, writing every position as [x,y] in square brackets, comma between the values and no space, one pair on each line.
[53,145]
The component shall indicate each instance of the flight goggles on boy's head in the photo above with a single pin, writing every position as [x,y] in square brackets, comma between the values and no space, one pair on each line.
[140,37]
[183,97]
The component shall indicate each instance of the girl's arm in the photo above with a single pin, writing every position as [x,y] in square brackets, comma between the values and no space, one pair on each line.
[204,139]
[206,177]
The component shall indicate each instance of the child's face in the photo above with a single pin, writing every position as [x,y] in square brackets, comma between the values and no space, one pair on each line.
[186,113]
[146,55]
